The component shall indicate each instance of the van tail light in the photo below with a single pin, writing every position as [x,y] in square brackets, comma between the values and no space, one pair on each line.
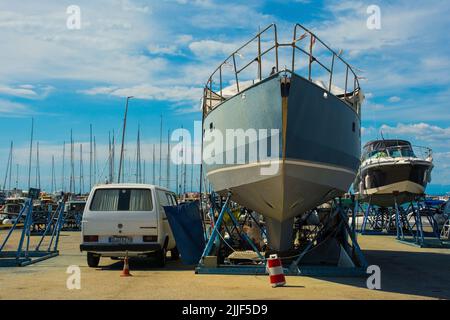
[150,238]
[90,238]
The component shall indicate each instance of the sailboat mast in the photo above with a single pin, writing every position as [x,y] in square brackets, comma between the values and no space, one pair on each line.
[168,159]
[90,156]
[192,177]
[123,140]
[138,158]
[95,163]
[109,158]
[17,176]
[113,158]
[144,178]
[153,163]
[81,169]
[72,165]
[53,175]
[184,165]
[38,169]
[160,152]
[63,166]
[8,169]
[31,152]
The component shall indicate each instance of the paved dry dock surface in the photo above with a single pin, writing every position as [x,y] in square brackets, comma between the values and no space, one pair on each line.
[407,273]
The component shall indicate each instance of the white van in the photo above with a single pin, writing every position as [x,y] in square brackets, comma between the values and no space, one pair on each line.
[127,217]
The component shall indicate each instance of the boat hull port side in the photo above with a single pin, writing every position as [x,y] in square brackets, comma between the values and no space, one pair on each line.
[317,158]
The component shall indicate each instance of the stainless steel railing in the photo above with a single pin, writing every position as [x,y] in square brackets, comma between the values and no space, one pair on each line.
[213,91]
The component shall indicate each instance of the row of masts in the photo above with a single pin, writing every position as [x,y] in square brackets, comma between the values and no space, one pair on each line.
[139,175]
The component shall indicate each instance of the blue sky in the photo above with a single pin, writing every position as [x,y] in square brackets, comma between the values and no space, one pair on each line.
[162,52]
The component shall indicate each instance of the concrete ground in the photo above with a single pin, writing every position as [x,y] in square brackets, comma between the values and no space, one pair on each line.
[407,272]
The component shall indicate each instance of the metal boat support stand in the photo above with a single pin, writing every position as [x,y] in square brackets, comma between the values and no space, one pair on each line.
[357,257]
[404,221]
[385,220]
[214,241]
[23,255]
[296,268]
[376,220]
[416,211]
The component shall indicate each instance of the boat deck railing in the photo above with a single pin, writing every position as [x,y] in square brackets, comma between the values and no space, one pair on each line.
[401,151]
[306,55]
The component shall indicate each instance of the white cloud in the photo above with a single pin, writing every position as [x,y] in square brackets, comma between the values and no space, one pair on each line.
[26,91]
[162,50]
[14,109]
[394,99]
[18,91]
[419,131]
[210,48]
[150,92]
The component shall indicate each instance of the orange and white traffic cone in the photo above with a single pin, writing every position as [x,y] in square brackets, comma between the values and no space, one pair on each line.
[126,267]
[276,274]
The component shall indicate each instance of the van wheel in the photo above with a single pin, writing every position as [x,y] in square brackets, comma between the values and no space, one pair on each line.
[161,257]
[174,254]
[93,260]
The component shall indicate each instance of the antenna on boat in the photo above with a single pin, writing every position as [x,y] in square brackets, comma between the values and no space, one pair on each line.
[31,152]
[123,140]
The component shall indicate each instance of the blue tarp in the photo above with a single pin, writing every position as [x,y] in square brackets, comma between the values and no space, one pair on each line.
[186,224]
[434,203]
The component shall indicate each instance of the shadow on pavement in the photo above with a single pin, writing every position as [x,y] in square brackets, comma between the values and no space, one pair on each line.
[414,273]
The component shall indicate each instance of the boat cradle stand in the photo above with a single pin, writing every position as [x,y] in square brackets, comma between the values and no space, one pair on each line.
[296,268]
[24,255]
[403,221]
[416,210]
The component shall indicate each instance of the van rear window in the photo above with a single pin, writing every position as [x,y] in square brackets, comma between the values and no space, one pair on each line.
[122,200]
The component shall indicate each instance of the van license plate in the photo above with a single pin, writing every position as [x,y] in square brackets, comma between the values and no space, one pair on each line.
[120,240]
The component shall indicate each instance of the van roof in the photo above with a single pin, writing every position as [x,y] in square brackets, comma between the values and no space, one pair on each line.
[128,185]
